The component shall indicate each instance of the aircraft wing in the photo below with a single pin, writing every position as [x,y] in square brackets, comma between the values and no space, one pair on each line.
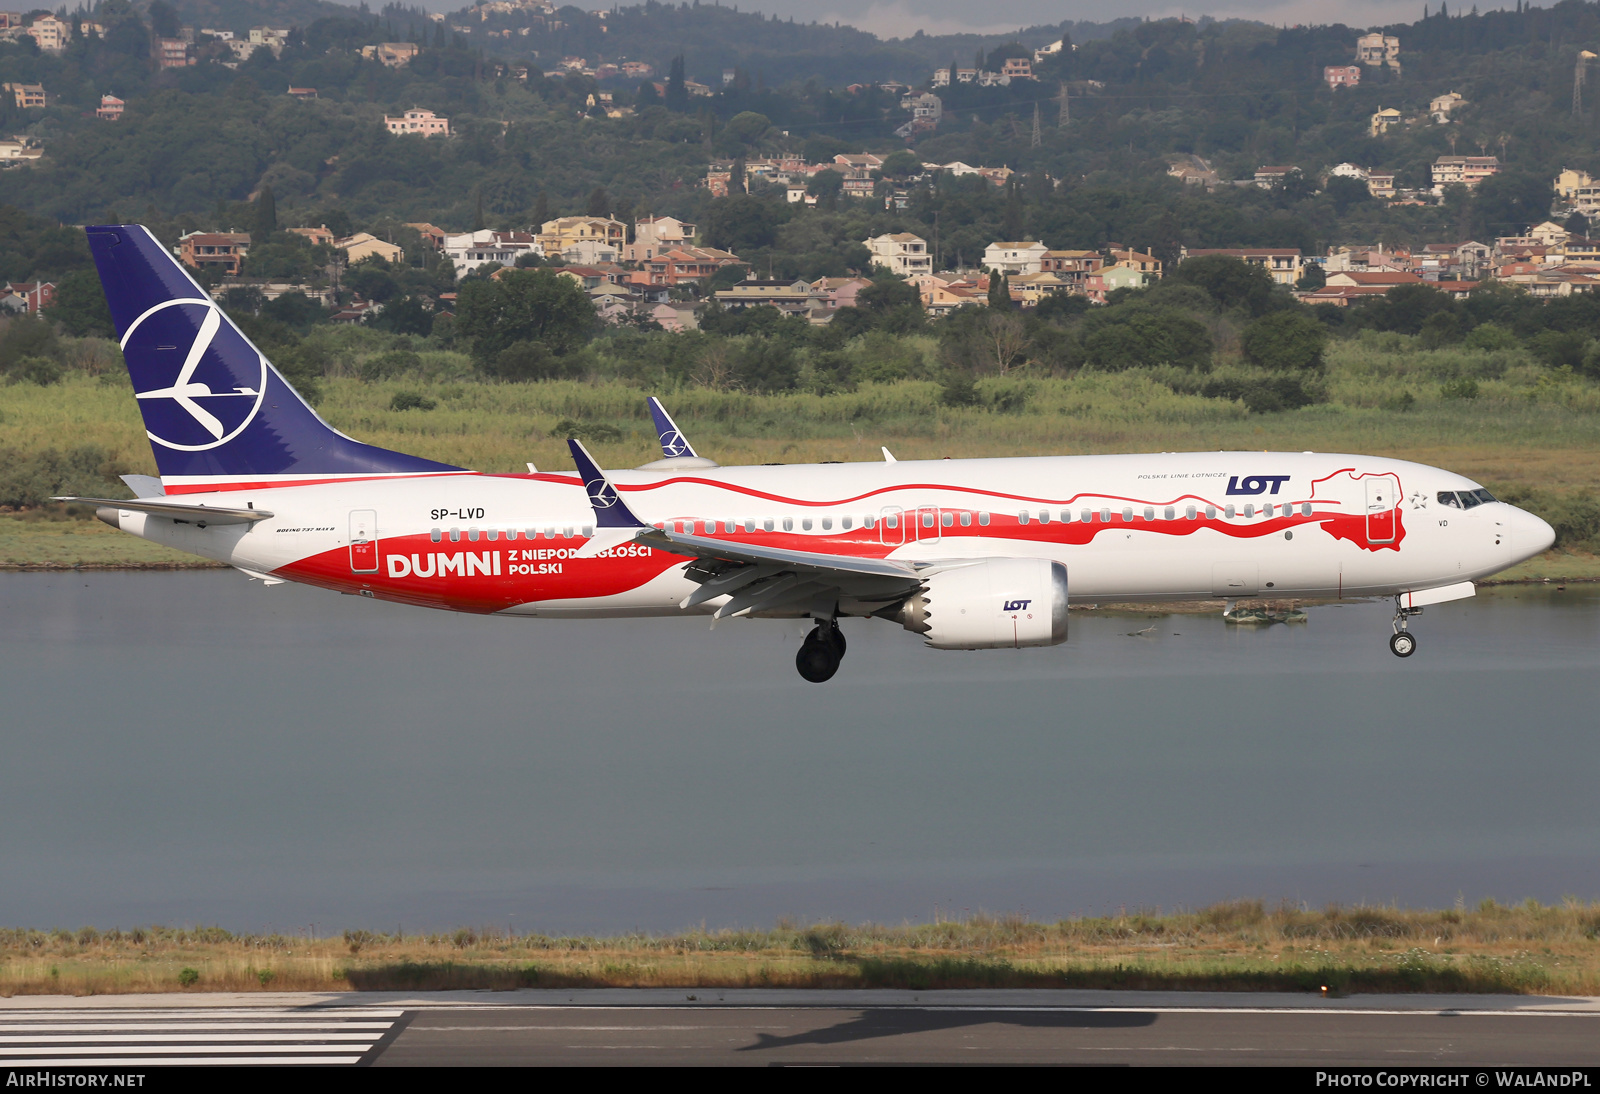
[757,577]
[197,514]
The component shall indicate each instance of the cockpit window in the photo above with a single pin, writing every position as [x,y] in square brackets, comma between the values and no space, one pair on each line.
[1465,499]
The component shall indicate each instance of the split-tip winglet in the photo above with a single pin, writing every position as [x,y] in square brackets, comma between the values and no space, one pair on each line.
[610,511]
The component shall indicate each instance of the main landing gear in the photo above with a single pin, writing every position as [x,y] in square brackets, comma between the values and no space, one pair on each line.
[821,652]
[1403,643]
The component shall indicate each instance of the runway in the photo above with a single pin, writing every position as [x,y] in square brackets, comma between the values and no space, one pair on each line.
[769,1028]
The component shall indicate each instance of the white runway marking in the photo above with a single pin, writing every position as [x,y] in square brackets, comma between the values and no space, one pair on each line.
[253,1036]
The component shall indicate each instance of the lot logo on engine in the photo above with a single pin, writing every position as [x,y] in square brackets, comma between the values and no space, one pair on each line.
[1017,605]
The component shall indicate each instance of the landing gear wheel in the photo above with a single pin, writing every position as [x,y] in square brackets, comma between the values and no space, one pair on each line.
[817,661]
[821,652]
[835,638]
[1403,644]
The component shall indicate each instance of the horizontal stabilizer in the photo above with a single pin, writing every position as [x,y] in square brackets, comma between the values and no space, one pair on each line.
[144,486]
[195,514]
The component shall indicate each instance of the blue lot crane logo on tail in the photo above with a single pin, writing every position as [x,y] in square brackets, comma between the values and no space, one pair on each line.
[187,354]
[673,444]
[602,495]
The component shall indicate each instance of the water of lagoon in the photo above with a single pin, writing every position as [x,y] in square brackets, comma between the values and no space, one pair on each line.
[189,748]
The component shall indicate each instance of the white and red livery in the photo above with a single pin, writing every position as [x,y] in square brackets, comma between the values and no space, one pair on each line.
[971,554]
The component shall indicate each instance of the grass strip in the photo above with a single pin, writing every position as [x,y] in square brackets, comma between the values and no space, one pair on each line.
[1238,946]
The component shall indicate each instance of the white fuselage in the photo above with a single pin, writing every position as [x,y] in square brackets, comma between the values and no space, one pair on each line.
[1167,526]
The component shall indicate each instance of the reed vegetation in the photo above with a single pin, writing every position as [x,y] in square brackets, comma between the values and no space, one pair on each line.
[1527,948]
[1528,432]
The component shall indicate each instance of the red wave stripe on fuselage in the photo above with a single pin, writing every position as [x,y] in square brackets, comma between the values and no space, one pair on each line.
[525,570]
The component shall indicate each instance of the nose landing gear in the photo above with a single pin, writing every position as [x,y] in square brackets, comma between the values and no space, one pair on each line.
[821,652]
[1403,643]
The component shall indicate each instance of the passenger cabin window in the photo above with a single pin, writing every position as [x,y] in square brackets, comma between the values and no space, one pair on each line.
[892,520]
[867,521]
[948,519]
[827,524]
[1127,516]
[729,526]
[1211,512]
[1305,509]
[966,519]
[749,524]
[927,519]
[805,523]
[1170,512]
[844,523]
[566,533]
[492,534]
[455,535]
[1105,516]
[788,524]
[1044,516]
[1087,515]
[1189,513]
[767,524]
[1228,512]
[1249,511]
[588,531]
[983,519]
[1149,513]
[1022,517]
[436,535]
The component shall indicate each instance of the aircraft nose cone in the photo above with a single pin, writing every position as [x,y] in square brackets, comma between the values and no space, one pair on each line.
[1531,534]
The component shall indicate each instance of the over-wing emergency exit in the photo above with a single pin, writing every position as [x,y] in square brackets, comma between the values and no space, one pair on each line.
[969,554]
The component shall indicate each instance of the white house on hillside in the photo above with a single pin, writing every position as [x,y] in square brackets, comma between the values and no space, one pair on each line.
[469,250]
[652,235]
[901,253]
[1015,258]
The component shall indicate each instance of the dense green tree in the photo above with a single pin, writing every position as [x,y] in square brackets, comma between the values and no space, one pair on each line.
[164,22]
[747,127]
[825,186]
[1289,339]
[767,364]
[741,222]
[80,306]
[296,310]
[1511,202]
[1230,282]
[525,361]
[523,306]
[1136,338]
[677,94]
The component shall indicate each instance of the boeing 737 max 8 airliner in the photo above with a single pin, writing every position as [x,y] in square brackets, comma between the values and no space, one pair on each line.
[971,554]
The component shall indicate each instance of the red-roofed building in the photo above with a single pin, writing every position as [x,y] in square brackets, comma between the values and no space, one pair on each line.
[224,250]
[34,295]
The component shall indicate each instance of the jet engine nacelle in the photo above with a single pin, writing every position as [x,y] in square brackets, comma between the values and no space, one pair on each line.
[991,603]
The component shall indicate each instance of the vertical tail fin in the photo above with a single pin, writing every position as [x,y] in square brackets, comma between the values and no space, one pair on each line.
[218,415]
